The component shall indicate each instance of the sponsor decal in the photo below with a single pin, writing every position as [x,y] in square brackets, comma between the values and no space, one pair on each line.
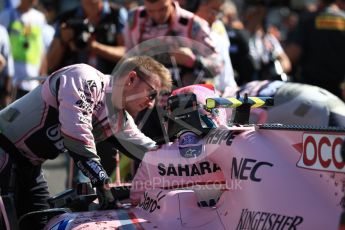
[91,84]
[53,133]
[47,141]
[95,172]
[188,139]
[208,203]
[85,106]
[62,224]
[128,220]
[84,119]
[87,172]
[102,175]
[188,145]
[217,136]
[191,151]
[256,220]
[247,168]
[98,106]
[322,152]
[150,204]
[330,22]
[97,169]
[85,103]
[197,169]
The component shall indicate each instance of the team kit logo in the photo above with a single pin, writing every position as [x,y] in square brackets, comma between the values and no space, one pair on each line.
[258,220]
[322,152]
[150,203]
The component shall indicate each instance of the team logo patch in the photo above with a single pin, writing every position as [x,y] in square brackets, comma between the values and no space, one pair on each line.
[190,151]
[188,139]
[188,145]
[322,152]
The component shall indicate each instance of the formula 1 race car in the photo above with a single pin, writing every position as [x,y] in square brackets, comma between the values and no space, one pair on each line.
[275,177]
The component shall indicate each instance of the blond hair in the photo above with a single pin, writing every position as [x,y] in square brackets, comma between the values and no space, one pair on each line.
[147,65]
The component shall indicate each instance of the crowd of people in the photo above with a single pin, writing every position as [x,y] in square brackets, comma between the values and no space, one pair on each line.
[274,40]
[95,78]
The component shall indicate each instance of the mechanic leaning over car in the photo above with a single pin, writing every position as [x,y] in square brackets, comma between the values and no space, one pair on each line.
[76,107]
[184,163]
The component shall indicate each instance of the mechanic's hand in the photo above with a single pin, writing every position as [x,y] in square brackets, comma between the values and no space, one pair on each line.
[105,199]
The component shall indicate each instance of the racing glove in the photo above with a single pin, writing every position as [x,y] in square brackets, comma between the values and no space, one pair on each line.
[99,179]
[105,197]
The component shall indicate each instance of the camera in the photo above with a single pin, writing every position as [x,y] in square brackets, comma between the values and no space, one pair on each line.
[82,29]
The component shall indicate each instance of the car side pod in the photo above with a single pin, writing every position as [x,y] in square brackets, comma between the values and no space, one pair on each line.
[176,209]
[157,209]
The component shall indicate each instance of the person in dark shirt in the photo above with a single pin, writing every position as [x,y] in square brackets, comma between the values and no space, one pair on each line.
[318,46]
[242,62]
[91,33]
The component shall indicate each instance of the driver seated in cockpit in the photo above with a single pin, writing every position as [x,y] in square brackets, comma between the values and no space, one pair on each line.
[183,163]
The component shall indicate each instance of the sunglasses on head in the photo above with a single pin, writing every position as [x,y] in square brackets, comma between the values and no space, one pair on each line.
[153,92]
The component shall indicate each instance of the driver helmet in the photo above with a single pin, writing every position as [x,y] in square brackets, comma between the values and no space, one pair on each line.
[191,114]
[202,92]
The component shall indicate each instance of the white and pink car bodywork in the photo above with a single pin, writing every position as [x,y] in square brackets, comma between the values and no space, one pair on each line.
[276,178]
